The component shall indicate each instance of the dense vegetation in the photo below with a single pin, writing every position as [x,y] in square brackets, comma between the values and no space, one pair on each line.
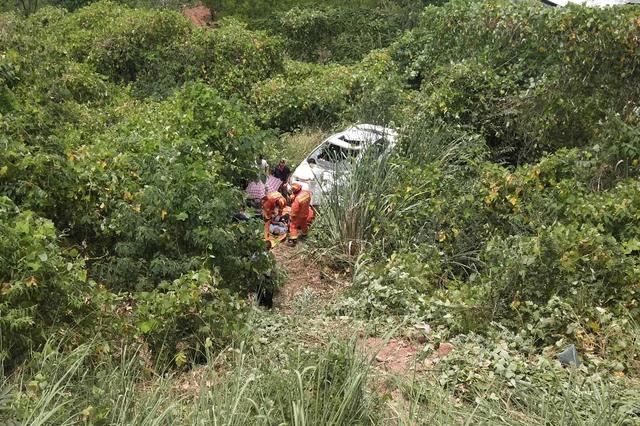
[505,219]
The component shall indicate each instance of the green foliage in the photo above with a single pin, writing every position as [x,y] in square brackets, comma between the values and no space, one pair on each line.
[144,189]
[499,381]
[295,146]
[156,51]
[185,318]
[8,78]
[505,218]
[155,196]
[44,287]
[324,386]
[396,287]
[342,33]
[322,96]
[466,243]
[530,78]
[305,95]
[579,264]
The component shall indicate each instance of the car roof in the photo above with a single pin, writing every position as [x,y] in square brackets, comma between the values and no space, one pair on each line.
[356,136]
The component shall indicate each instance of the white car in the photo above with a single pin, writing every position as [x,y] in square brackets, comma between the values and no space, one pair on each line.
[337,153]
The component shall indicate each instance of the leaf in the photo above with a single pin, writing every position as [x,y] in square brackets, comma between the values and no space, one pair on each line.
[181,359]
[163,214]
[593,325]
[182,216]
[43,257]
[631,246]
[88,412]
[147,326]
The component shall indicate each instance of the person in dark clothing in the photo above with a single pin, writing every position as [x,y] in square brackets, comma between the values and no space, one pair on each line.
[281,171]
[265,289]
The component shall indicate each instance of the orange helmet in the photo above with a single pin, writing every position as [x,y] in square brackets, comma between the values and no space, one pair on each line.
[286,211]
[281,202]
[296,187]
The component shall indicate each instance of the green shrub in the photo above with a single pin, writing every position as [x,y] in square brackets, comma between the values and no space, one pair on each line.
[342,33]
[9,77]
[539,78]
[44,286]
[314,95]
[181,320]
[605,338]
[155,200]
[117,41]
[396,287]
[154,50]
[472,95]
[577,263]
[320,98]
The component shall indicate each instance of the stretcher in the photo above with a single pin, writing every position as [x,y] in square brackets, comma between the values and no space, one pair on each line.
[274,238]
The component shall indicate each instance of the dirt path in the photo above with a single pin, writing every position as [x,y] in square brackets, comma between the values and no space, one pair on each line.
[305,280]
[308,283]
[303,318]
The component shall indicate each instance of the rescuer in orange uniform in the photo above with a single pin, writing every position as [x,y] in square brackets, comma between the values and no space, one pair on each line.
[300,208]
[272,201]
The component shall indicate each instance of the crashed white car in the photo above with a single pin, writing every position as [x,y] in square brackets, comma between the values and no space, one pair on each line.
[337,153]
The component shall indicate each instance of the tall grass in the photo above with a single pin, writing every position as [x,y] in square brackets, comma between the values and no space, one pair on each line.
[570,398]
[296,146]
[355,203]
[373,191]
[331,386]
[323,387]
[60,389]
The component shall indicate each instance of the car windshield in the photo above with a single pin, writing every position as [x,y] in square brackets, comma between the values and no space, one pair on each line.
[331,154]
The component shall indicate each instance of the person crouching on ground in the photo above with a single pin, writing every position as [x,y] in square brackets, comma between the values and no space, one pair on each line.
[272,204]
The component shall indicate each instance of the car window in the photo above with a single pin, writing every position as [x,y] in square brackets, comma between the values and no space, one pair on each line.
[330,153]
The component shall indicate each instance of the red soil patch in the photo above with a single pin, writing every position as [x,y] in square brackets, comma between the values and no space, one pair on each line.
[398,356]
[200,15]
[395,356]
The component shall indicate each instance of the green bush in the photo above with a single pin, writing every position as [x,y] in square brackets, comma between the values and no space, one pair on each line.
[183,319]
[396,287]
[540,78]
[319,98]
[44,286]
[578,263]
[145,190]
[342,33]
[155,198]
[314,95]
[155,51]
[497,237]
